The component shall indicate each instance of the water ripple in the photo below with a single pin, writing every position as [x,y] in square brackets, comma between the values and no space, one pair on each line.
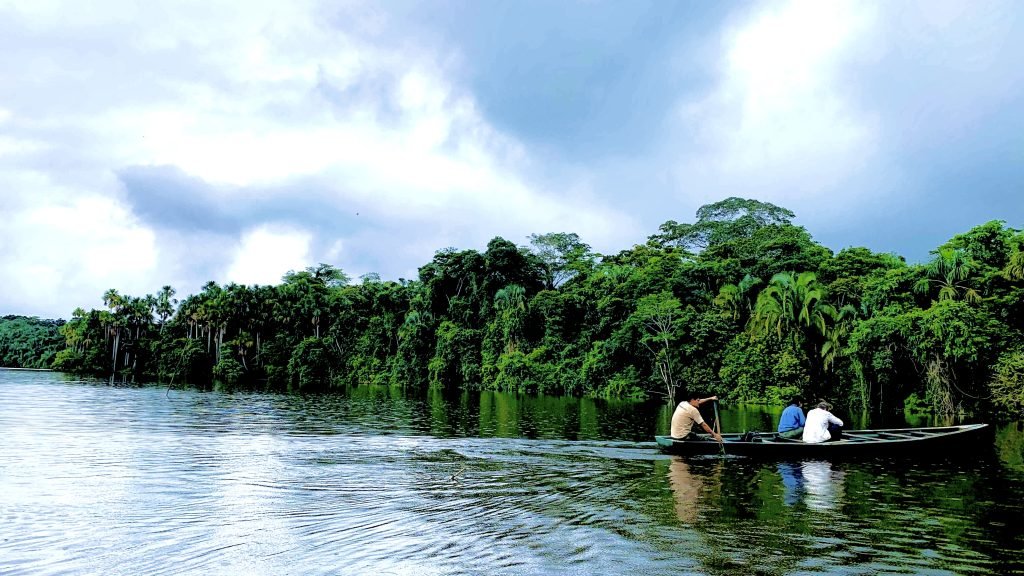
[97,479]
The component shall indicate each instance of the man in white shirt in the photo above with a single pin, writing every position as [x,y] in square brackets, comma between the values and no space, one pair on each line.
[686,415]
[818,420]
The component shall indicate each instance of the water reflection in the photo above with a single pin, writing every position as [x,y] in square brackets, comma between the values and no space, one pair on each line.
[100,480]
[690,485]
[815,482]
[686,487]
[792,481]
[824,485]
[1010,443]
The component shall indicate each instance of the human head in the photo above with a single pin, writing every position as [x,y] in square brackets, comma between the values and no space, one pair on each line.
[796,400]
[692,397]
[824,405]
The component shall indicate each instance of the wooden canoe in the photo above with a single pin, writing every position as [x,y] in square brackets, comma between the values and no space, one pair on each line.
[858,443]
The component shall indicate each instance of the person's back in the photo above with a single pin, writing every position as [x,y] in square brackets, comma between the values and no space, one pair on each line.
[818,420]
[686,415]
[791,423]
[683,419]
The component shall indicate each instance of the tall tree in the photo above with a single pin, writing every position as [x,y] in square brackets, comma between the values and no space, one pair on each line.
[510,303]
[165,304]
[948,277]
[720,222]
[737,300]
[562,256]
[659,313]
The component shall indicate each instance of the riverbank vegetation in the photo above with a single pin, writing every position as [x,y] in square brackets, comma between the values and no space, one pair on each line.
[29,342]
[740,302]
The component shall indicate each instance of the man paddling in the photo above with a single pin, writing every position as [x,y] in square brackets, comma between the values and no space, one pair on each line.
[687,414]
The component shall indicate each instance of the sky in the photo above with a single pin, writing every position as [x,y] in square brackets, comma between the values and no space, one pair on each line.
[156,143]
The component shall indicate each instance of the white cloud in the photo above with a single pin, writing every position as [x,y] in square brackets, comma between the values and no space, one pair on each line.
[309,133]
[256,99]
[780,123]
[64,250]
[267,253]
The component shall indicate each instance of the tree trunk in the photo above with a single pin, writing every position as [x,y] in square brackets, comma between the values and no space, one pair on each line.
[669,380]
[117,341]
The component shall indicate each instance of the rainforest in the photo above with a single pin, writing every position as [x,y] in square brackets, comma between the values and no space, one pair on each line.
[741,303]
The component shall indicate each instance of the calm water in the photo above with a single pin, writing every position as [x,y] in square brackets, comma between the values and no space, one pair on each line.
[105,480]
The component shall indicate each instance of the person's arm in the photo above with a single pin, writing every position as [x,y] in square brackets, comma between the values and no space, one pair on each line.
[710,431]
[834,420]
[705,424]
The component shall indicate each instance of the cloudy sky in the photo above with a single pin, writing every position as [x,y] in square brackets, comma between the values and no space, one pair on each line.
[152,143]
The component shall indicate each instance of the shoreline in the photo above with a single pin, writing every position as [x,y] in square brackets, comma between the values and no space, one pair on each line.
[28,369]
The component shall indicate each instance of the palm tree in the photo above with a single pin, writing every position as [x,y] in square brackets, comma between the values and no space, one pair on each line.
[113,319]
[138,313]
[949,272]
[791,304]
[165,304]
[842,324]
[795,307]
[1015,267]
[736,299]
[74,330]
[510,302]
[208,314]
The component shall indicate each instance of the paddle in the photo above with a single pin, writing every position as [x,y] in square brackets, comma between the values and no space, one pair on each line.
[718,427]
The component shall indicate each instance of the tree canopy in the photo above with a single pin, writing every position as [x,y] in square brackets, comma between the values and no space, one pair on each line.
[741,302]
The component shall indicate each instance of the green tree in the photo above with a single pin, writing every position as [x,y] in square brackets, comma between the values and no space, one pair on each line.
[115,321]
[456,361]
[165,304]
[658,313]
[948,276]
[310,367]
[562,256]
[1014,269]
[790,305]
[685,307]
[510,304]
[737,300]
[1007,382]
[721,222]
[28,342]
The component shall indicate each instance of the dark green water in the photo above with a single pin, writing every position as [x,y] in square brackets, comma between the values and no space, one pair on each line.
[112,480]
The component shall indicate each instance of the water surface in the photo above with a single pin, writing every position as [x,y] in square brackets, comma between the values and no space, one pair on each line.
[96,479]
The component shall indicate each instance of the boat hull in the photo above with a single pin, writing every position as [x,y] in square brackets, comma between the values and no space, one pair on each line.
[855,443]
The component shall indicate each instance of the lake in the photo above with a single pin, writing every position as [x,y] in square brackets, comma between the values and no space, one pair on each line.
[99,479]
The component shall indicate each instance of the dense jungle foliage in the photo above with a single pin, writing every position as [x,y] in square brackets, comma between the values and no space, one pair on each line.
[27,342]
[741,302]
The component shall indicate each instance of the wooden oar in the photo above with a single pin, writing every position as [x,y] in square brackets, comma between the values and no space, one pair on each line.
[718,428]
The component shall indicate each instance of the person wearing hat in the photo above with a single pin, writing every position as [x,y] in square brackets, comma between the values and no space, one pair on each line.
[791,424]
[816,428]
[687,414]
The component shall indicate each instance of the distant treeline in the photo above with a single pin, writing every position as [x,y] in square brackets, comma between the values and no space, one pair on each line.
[28,342]
[741,303]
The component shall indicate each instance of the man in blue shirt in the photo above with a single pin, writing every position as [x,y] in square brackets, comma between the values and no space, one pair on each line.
[791,424]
